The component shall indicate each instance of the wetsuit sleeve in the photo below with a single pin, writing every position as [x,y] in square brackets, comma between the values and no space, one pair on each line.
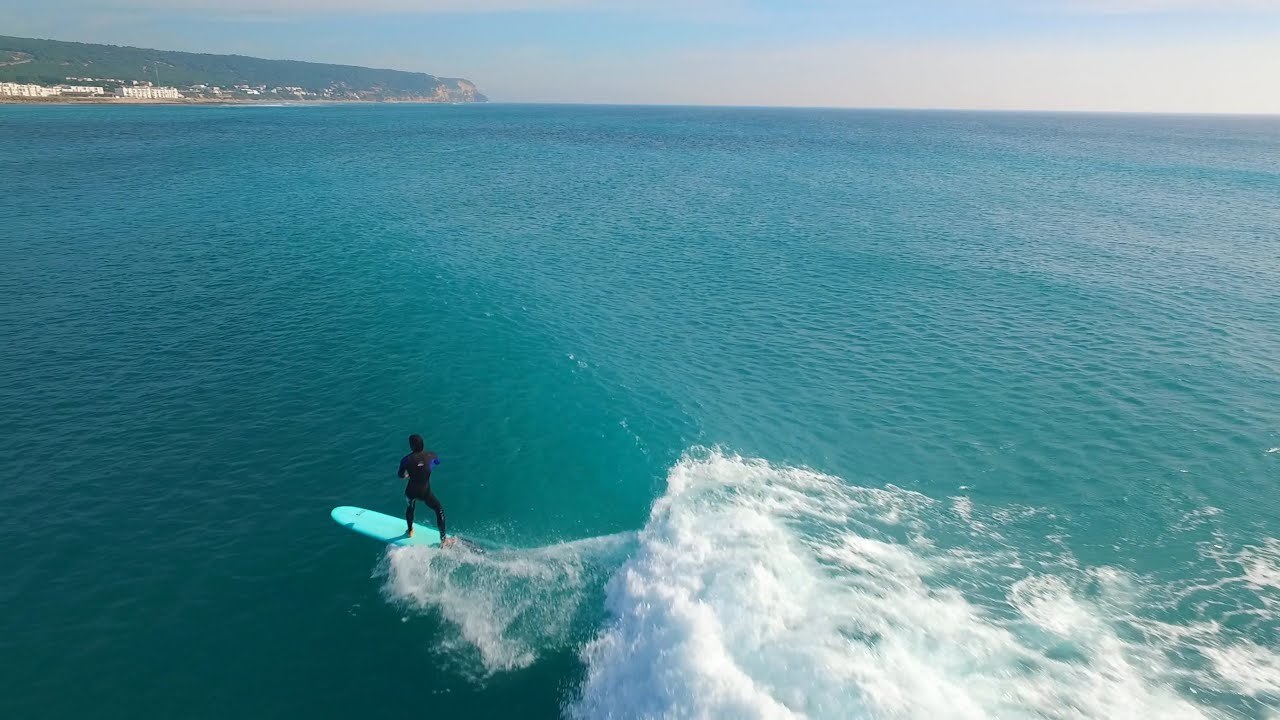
[403,471]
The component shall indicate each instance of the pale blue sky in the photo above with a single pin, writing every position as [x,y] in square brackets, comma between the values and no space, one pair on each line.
[1144,55]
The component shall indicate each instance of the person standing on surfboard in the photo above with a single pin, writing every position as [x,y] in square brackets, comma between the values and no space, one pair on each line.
[416,468]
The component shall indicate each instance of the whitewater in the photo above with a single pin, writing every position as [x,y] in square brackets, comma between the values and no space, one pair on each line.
[763,591]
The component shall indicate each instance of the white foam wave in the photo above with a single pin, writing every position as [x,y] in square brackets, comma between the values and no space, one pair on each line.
[758,591]
[1262,565]
[1253,669]
[502,608]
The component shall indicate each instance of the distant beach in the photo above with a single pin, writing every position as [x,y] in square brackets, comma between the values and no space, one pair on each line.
[65,100]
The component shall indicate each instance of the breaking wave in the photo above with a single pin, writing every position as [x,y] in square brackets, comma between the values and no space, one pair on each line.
[759,591]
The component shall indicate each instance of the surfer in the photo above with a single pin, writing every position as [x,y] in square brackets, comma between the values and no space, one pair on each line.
[416,468]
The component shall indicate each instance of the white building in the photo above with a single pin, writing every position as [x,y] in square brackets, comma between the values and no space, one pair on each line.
[27,90]
[80,90]
[149,93]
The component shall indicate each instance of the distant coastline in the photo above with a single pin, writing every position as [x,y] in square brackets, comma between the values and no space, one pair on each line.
[52,71]
[111,100]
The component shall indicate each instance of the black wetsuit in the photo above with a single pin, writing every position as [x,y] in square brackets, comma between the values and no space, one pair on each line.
[417,468]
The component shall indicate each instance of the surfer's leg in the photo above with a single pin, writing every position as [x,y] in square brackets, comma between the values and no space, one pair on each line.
[434,503]
[408,515]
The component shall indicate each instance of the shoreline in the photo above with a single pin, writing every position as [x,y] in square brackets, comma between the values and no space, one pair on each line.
[60,100]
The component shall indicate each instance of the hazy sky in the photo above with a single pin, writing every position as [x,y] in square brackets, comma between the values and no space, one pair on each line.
[1140,55]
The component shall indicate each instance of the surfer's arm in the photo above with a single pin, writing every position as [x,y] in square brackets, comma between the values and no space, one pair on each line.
[403,472]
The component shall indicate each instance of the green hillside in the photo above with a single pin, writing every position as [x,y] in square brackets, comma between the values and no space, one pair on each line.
[49,62]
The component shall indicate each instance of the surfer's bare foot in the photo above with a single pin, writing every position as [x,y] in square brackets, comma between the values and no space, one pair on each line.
[447,542]
[408,533]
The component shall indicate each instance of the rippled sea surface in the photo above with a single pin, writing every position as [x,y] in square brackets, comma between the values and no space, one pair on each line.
[771,413]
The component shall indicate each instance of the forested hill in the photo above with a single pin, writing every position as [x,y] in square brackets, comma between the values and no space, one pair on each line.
[28,60]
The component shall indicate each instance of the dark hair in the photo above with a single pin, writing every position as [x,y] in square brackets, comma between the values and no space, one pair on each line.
[415,443]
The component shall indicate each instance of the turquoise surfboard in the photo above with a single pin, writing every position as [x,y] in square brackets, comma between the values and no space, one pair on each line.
[390,530]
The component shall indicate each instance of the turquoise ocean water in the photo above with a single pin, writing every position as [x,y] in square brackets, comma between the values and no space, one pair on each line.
[774,413]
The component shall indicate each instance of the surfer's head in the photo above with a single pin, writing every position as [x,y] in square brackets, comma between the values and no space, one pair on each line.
[415,443]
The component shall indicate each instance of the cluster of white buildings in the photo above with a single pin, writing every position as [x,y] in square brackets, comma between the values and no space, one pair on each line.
[146,91]
[26,90]
[238,89]
[17,90]
[149,92]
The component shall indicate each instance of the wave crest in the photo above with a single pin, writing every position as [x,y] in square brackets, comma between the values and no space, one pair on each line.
[758,591]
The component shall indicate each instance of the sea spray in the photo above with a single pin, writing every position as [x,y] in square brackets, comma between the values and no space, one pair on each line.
[758,591]
[505,607]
